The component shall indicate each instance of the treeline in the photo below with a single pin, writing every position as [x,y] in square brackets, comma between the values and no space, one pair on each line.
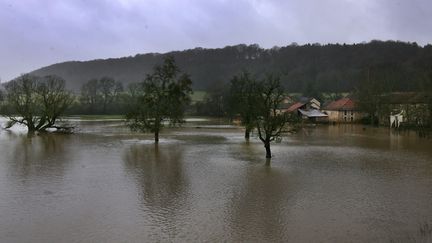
[38,102]
[25,96]
[160,99]
[311,68]
[100,96]
[374,92]
[106,96]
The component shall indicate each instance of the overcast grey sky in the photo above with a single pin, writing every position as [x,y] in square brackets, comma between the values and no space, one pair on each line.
[36,33]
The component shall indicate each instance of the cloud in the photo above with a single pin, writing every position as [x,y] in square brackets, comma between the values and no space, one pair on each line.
[35,33]
[408,20]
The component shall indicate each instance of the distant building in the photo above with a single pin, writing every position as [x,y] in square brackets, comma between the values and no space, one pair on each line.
[304,103]
[308,108]
[412,108]
[313,115]
[343,111]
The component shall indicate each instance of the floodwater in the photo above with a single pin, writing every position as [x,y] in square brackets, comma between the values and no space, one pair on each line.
[203,182]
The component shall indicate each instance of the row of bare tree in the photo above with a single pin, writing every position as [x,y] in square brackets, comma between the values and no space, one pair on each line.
[160,99]
[257,103]
[99,95]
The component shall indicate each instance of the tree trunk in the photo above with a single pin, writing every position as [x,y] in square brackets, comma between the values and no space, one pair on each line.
[268,160]
[156,137]
[247,134]
[31,128]
[104,107]
[31,131]
[374,120]
[268,151]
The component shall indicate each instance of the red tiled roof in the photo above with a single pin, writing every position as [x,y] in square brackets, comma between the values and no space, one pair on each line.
[295,106]
[341,104]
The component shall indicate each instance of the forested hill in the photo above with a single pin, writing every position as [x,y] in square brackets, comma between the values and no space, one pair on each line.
[324,68]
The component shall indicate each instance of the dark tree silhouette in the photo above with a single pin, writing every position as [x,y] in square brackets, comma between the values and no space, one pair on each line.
[90,93]
[165,93]
[109,90]
[427,88]
[370,91]
[243,99]
[1,96]
[303,68]
[270,121]
[98,94]
[37,102]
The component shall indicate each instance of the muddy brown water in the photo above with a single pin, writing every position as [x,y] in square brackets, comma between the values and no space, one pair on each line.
[105,184]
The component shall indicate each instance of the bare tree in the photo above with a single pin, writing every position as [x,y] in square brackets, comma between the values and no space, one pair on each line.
[270,121]
[36,102]
[56,100]
[1,95]
[370,91]
[428,89]
[109,90]
[90,93]
[98,94]
[243,99]
[424,120]
[164,95]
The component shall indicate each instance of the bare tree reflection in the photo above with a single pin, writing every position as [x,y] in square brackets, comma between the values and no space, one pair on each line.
[163,187]
[248,151]
[41,155]
[260,207]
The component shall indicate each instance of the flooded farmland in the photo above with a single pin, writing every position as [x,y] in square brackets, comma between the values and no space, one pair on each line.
[203,182]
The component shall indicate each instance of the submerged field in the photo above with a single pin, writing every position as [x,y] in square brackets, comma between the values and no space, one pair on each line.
[203,182]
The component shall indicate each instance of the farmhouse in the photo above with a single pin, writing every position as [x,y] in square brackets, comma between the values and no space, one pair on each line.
[308,108]
[343,111]
[304,103]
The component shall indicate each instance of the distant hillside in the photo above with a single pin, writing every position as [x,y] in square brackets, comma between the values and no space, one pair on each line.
[332,67]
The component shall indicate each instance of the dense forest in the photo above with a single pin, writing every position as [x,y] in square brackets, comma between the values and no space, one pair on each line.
[302,68]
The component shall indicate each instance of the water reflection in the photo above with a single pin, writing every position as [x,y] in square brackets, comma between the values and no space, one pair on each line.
[332,184]
[161,183]
[249,151]
[259,208]
[43,155]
